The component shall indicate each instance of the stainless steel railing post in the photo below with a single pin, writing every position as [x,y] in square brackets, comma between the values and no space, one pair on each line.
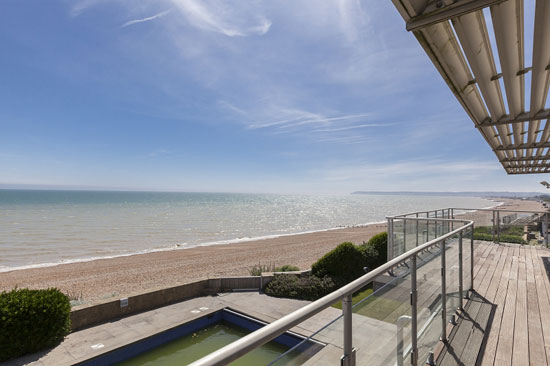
[460,269]
[498,226]
[546,233]
[414,320]
[493,230]
[472,260]
[443,294]
[348,359]
[417,229]
[404,236]
[401,322]
[390,240]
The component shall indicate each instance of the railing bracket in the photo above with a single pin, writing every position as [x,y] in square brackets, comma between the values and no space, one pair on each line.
[430,361]
[348,360]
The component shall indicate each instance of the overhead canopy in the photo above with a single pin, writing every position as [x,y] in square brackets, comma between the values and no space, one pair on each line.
[455,36]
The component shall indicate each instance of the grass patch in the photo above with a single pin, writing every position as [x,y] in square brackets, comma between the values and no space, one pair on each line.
[355,299]
[376,307]
[258,269]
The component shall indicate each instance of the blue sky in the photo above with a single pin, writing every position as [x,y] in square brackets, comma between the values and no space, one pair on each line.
[248,96]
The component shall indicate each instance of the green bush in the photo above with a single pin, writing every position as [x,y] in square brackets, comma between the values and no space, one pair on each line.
[343,264]
[379,248]
[370,256]
[258,269]
[307,287]
[287,268]
[32,320]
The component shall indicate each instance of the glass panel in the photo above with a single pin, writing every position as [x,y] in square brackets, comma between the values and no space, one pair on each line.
[381,321]
[398,243]
[520,227]
[380,311]
[422,232]
[483,222]
[303,353]
[452,277]
[428,300]
[466,259]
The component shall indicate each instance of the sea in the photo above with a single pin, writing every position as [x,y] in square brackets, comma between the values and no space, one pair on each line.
[49,227]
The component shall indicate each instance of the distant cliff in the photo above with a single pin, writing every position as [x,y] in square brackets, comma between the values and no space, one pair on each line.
[463,194]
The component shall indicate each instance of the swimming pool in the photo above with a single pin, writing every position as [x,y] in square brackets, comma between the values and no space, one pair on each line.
[191,341]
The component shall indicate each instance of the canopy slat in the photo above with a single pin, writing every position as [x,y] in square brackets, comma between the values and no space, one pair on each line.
[540,79]
[509,42]
[455,37]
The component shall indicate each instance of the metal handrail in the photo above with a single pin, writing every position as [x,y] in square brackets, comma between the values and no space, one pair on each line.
[450,213]
[271,331]
[498,209]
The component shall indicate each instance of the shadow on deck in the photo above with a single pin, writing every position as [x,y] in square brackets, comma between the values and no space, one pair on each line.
[507,320]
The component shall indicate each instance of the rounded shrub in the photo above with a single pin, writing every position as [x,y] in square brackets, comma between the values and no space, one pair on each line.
[378,244]
[370,255]
[306,287]
[32,320]
[344,263]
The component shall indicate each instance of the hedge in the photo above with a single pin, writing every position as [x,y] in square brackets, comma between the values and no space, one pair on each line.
[483,236]
[306,287]
[504,238]
[32,320]
[343,264]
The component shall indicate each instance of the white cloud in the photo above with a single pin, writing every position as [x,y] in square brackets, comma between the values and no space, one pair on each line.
[135,21]
[159,152]
[413,174]
[366,125]
[304,119]
[220,17]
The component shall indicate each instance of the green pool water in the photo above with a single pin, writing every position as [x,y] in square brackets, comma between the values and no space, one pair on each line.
[192,347]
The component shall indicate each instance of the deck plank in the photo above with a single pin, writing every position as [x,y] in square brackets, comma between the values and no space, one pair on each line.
[506,335]
[537,352]
[542,283]
[520,353]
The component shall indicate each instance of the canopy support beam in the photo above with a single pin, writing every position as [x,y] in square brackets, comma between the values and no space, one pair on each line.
[523,117]
[434,14]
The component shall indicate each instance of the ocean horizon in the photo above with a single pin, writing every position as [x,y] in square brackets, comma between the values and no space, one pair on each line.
[48,227]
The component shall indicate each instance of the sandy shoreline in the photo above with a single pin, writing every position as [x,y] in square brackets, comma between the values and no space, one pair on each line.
[122,276]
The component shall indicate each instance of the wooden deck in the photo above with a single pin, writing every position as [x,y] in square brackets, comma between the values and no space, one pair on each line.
[507,321]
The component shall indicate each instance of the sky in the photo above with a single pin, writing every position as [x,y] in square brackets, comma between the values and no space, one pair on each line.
[299,96]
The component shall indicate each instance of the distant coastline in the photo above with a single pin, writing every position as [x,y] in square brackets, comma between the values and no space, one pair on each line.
[457,194]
